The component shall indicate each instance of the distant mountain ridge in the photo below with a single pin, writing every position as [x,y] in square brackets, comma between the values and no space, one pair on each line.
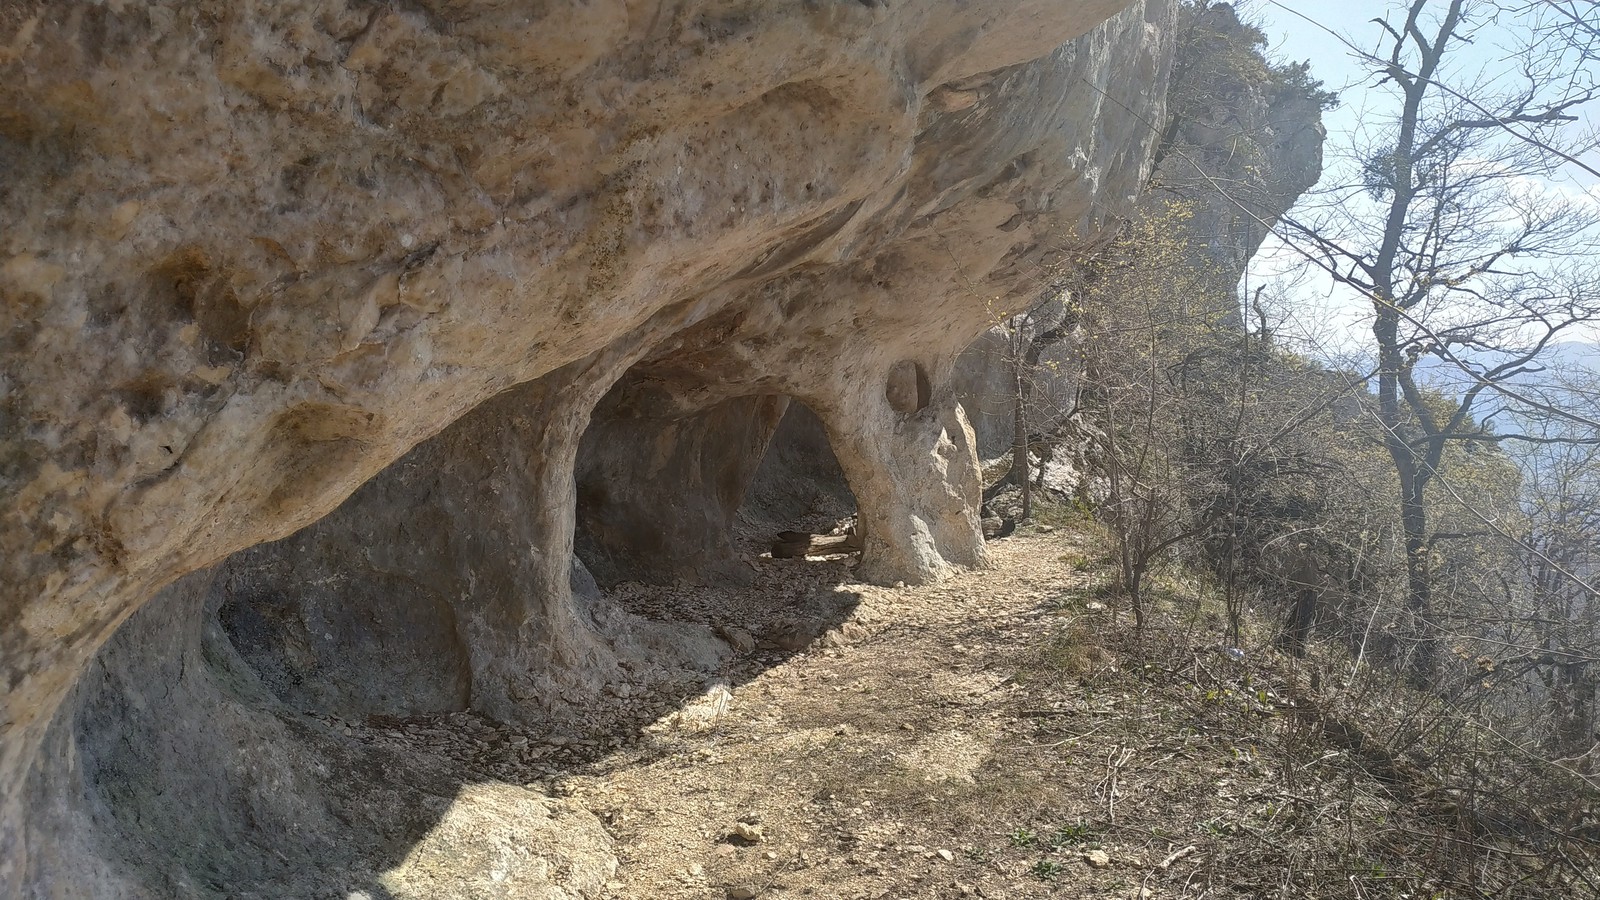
[1559,363]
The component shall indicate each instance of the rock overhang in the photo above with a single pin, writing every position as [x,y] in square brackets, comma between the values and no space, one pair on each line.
[256,253]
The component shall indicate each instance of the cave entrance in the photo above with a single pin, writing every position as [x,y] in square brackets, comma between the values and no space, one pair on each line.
[799,491]
[679,509]
[306,713]
[673,496]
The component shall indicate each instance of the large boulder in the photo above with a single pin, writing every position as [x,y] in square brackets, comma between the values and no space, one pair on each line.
[257,252]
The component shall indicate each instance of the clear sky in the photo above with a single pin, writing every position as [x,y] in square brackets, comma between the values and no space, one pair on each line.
[1304,30]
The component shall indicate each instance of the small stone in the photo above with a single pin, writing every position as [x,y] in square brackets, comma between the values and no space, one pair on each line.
[755,834]
[740,640]
[1045,529]
[947,856]
[907,726]
[1098,859]
[744,892]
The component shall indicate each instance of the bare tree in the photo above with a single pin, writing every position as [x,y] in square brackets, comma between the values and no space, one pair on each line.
[1560,554]
[1047,324]
[1200,424]
[1465,258]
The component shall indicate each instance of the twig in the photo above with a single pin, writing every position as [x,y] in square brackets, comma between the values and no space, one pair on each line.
[1076,737]
[1111,784]
[1176,855]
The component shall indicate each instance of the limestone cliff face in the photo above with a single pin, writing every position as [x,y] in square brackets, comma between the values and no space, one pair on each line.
[257,252]
[1243,137]
[1241,141]
[985,377]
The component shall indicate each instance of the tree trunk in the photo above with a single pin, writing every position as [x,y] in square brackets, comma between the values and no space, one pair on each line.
[1572,701]
[1136,596]
[1297,631]
[1419,628]
[1019,441]
[798,544]
[1417,639]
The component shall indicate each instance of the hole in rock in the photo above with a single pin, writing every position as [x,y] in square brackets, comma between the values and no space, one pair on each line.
[908,389]
[678,510]
[659,485]
[695,497]
[799,486]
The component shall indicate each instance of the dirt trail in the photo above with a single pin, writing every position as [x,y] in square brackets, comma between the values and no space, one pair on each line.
[999,735]
[834,763]
[897,756]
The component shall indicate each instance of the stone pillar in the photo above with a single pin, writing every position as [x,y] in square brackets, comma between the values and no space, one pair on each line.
[528,642]
[912,463]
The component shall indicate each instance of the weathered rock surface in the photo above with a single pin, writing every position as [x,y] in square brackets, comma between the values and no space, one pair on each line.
[1242,140]
[256,253]
[985,381]
[176,774]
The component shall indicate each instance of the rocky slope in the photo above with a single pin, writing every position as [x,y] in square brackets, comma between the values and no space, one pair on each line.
[259,255]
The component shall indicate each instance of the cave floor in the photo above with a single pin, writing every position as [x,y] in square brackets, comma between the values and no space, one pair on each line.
[999,735]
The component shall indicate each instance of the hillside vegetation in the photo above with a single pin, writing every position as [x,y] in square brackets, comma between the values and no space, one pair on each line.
[1424,550]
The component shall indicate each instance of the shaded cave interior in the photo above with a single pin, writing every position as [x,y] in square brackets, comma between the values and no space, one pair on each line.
[375,625]
[456,582]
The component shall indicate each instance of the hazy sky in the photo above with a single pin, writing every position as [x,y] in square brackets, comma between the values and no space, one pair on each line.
[1303,30]
[1299,30]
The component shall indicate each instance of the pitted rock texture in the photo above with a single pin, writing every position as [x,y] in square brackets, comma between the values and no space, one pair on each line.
[257,252]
